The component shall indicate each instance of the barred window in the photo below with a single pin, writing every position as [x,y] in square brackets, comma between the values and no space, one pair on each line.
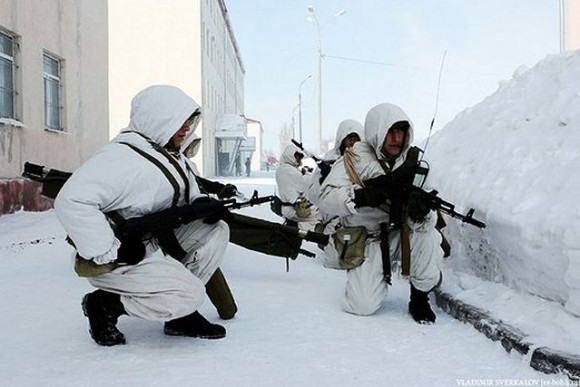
[52,92]
[6,76]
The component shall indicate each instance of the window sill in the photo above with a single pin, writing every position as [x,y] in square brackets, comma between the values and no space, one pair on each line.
[56,131]
[11,122]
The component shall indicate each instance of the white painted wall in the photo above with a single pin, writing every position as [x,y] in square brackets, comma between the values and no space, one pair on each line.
[572,25]
[75,31]
[185,43]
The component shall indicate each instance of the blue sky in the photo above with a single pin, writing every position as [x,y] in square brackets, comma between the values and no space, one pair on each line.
[383,51]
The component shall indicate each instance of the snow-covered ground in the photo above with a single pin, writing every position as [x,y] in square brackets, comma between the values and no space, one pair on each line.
[289,330]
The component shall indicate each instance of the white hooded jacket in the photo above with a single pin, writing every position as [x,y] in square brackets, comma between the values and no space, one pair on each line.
[345,128]
[117,178]
[337,191]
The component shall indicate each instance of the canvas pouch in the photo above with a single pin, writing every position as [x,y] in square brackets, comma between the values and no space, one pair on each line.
[350,246]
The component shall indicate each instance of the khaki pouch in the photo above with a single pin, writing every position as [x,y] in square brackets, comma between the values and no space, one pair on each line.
[349,243]
[88,268]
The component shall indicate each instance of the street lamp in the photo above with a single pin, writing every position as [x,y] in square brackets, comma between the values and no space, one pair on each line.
[300,106]
[314,20]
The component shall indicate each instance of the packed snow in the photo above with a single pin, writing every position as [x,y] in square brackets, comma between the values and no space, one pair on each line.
[513,158]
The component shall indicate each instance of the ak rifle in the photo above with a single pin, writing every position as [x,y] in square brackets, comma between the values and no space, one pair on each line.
[434,202]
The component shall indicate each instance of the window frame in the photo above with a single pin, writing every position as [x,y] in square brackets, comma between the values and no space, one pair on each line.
[50,79]
[12,61]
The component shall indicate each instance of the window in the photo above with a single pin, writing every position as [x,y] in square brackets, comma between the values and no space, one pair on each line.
[6,76]
[52,92]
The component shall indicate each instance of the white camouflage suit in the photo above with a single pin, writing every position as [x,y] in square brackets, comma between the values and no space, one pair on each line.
[365,287]
[293,185]
[117,178]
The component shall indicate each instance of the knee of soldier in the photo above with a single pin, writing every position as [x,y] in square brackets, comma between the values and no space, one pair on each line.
[221,230]
[362,305]
[362,308]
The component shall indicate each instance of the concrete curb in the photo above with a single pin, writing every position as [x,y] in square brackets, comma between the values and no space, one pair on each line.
[543,359]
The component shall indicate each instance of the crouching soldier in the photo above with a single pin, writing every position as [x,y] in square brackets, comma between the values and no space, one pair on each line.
[143,171]
[378,228]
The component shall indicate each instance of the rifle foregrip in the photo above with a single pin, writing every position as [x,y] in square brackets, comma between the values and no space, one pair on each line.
[316,237]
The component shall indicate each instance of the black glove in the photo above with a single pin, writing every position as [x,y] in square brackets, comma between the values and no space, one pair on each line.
[418,207]
[369,196]
[132,250]
[324,170]
[227,191]
[212,210]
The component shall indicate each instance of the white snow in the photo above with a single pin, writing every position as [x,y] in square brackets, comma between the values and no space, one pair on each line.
[513,158]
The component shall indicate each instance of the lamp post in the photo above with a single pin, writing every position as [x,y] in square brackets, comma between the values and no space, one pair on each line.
[310,9]
[300,107]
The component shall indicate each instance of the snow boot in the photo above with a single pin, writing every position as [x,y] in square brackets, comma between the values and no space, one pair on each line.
[220,295]
[103,309]
[194,325]
[419,307]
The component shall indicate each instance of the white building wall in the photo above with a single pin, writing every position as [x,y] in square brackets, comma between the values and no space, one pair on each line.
[185,43]
[75,31]
[255,130]
[573,25]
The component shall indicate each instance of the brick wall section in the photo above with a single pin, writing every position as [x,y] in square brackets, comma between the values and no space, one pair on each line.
[22,194]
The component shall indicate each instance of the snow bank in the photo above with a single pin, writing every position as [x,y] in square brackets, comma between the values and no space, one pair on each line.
[514,158]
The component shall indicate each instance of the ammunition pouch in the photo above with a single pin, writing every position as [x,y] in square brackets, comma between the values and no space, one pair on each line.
[349,243]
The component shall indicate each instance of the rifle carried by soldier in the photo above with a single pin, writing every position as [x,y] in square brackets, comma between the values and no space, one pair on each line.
[251,233]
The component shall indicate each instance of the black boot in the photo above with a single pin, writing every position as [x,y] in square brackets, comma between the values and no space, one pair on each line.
[103,309]
[194,325]
[419,307]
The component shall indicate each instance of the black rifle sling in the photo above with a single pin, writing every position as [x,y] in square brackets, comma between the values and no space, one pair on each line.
[167,240]
[410,161]
[171,160]
[158,164]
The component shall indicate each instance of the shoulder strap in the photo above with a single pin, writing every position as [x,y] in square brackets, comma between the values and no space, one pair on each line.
[157,163]
[169,158]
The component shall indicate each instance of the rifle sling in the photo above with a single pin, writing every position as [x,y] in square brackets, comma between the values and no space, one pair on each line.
[167,240]
[411,160]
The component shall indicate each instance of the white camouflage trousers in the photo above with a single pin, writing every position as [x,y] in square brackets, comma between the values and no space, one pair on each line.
[365,286]
[161,288]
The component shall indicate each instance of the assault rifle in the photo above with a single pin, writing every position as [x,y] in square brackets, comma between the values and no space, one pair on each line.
[398,190]
[252,233]
[436,203]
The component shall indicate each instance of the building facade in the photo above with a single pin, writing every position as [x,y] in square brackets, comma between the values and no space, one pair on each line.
[53,90]
[572,25]
[185,43]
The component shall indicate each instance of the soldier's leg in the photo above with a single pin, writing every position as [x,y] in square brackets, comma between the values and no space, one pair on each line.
[205,245]
[365,287]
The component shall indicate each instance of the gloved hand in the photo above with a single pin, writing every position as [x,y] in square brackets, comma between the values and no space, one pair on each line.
[227,191]
[211,209]
[302,208]
[131,251]
[418,207]
[370,196]
[324,170]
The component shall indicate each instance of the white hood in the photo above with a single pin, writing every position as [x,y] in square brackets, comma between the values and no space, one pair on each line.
[159,111]
[378,122]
